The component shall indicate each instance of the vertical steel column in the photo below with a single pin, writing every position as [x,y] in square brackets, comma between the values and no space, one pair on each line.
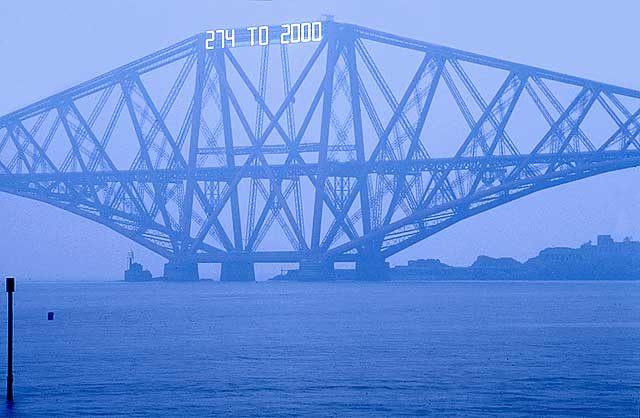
[332,56]
[359,141]
[187,204]
[228,145]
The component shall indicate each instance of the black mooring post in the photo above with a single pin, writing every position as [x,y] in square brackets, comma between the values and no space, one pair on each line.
[11,285]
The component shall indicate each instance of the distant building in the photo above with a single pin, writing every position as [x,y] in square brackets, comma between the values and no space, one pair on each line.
[606,260]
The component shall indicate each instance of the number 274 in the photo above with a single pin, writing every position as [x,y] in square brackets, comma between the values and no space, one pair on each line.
[228,35]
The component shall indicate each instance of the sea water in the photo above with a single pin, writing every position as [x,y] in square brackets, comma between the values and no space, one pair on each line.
[345,349]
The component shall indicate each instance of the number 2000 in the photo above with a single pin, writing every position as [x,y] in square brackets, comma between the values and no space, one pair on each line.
[301,33]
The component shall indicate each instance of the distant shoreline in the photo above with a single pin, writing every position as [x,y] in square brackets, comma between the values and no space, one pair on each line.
[605,260]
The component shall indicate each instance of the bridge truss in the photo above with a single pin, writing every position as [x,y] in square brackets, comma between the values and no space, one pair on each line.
[348,149]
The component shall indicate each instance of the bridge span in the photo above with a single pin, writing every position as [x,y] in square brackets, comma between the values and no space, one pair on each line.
[349,148]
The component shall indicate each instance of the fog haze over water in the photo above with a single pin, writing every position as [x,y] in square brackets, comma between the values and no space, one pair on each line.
[402,348]
[54,45]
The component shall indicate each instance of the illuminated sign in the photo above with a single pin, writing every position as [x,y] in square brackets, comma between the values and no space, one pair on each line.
[292,33]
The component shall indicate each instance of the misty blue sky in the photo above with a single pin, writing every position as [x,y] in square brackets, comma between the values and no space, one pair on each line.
[48,46]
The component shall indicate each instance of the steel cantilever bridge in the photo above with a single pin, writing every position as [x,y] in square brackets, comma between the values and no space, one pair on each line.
[349,149]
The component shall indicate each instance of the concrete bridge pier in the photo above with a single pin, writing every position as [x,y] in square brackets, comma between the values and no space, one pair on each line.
[181,271]
[237,271]
[316,270]
[372,269]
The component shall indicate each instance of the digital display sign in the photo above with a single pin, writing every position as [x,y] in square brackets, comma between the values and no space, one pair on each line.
[292,33]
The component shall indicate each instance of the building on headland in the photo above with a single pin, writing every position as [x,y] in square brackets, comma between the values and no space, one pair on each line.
[604,260]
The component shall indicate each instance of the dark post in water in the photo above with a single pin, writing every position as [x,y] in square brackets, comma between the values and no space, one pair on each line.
[10,289]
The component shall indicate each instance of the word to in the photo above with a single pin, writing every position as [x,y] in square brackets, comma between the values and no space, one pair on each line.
[292,33]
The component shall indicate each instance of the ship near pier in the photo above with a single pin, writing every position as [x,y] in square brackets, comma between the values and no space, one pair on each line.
[135,272]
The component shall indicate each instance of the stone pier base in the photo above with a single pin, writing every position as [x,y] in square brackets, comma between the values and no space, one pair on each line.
[372,270]
[181,271]
[237,271]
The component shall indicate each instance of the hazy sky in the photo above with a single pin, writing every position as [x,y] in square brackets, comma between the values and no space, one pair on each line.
[48,46]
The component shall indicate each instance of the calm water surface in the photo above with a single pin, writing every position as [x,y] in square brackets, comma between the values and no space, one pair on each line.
[484,349]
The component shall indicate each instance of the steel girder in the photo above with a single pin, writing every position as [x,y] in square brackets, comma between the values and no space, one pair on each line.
[351,152]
